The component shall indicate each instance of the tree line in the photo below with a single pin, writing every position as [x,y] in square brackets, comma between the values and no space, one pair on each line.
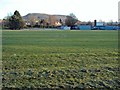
[16,21]
[13,22]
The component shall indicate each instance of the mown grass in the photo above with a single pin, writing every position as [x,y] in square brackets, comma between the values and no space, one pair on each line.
[60,59]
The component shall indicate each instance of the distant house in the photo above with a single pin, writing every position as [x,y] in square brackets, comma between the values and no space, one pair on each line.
[85,27]
[99,24]
[111,28]
[57,23]
[78,22]
[51,20]
[27,23]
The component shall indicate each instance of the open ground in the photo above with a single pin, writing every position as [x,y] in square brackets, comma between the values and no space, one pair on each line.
[60,59]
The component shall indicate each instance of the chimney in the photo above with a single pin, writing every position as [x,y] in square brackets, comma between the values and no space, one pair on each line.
[95,22]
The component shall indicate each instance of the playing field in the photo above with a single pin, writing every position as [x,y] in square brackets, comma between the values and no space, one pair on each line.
[60,59]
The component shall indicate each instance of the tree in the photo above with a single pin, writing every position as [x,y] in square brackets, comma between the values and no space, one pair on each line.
[73,15]
[16,21]
[42,23]
[61,22]
[5,22]
[70,21]
[52,20]
[32,20]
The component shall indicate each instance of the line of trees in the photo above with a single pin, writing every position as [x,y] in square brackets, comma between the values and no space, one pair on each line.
[13,22]
[51,22]
[34,21]
[71,20]
[16,21]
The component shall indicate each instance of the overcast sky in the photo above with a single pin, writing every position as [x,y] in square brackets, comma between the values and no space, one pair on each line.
[84,10]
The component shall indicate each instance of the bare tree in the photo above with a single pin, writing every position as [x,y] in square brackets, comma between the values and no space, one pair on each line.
[52,20]
[70,21]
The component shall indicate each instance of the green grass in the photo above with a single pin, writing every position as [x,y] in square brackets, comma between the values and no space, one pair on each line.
[60,59]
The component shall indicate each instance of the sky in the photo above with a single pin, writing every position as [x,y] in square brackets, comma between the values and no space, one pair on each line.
[85,10]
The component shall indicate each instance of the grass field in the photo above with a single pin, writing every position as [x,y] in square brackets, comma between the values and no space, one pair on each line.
[60,59]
